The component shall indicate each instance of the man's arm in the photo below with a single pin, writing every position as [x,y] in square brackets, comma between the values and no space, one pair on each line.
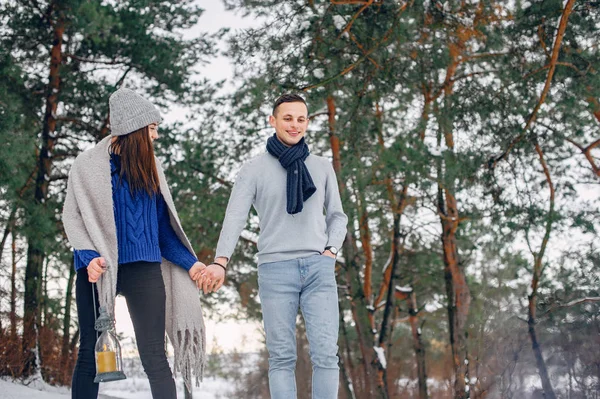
[240,201]
[236,215]
[335,218]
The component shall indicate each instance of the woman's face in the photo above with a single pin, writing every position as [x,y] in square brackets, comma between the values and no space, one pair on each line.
[153,131]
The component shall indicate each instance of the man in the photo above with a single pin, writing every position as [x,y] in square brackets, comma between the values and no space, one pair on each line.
[298,243]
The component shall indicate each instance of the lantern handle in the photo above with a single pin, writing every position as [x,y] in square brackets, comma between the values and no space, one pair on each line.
[94,301]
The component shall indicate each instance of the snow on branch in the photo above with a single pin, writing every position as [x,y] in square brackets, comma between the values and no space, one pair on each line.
[380,356]
[573,303]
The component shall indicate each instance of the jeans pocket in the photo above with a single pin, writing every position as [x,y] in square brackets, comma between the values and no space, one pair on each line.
[265,271]
[329,259]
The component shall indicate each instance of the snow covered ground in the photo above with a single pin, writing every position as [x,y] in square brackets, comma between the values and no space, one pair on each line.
[14,390]
[132,388]
[136,386]
[139,388]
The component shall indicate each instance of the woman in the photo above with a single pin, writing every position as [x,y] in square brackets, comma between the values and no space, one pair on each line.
[120,219]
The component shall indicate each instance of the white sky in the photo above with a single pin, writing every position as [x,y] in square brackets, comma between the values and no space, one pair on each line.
[214,18]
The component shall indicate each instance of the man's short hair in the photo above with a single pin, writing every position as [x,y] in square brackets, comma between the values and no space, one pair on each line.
[288,98]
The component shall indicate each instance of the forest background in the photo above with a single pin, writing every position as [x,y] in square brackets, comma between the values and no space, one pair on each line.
[465,136]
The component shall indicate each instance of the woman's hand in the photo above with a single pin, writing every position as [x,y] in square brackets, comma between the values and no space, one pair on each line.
[95,269]
[195,270]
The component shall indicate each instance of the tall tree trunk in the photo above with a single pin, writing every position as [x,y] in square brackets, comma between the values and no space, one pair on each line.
[346,364]
[8,229]
[13,289]
[390,304]
[74,341]
[459,297]
[44,294]
[358,302]
[457,290]
[413,319]
[537,274]
[44,320]
[31,310]
[361,323]
[36,250]
[10,223]
[413,309]
[365,240]
[65,353]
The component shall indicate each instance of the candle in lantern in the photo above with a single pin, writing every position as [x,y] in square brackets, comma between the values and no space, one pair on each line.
[106,362]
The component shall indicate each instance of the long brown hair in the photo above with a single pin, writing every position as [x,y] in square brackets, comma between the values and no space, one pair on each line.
[137,160]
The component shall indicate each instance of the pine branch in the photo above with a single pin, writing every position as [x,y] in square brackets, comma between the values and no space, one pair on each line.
[93,61]
[355,16]
[552,65]
[587,153]
[361,48]
[351,67]
[212,175]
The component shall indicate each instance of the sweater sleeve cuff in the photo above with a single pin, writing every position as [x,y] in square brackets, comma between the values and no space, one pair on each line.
[223,256]
[187,261]
[83,257]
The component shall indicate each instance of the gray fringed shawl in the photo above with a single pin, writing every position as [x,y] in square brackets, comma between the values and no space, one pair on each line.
[89,222]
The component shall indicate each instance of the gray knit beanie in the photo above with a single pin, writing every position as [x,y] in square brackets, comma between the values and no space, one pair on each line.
[129,112]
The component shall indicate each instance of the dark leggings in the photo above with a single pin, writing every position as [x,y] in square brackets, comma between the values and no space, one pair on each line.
[142,285]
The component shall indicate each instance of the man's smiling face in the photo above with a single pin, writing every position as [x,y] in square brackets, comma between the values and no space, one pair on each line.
[290,121]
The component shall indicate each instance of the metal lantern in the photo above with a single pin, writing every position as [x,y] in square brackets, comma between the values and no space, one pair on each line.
[109,364]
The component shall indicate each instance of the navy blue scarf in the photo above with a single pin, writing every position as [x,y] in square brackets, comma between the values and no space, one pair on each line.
[300,185]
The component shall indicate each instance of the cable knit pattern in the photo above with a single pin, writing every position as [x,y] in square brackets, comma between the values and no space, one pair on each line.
[134,214]
[134,208]
[144,231]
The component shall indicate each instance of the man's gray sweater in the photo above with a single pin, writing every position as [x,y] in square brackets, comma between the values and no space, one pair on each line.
[262,183]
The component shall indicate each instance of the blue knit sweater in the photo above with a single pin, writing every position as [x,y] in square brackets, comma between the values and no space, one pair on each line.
[144,231]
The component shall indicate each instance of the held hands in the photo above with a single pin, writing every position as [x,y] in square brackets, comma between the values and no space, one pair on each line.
[195,270]
[95,269]
[212,277]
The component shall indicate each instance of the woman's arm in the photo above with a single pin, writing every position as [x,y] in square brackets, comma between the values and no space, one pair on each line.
[171,247]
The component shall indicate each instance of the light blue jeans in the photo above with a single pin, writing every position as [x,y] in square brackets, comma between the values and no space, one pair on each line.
[308,283]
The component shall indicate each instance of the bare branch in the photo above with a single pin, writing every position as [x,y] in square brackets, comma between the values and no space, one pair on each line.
[572,303]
